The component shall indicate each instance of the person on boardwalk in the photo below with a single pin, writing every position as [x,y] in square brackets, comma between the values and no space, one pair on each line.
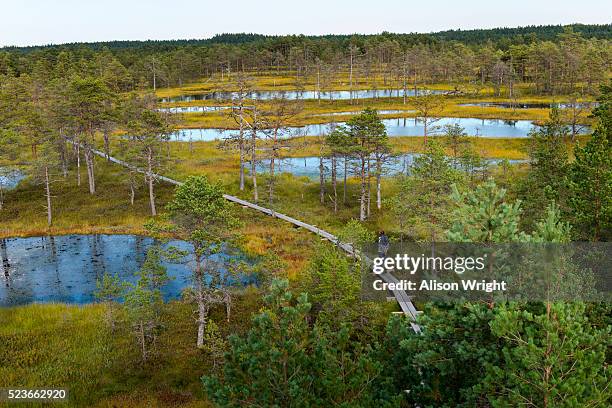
[383,244]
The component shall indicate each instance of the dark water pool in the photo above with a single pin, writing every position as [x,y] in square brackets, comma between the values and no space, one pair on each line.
[65,268]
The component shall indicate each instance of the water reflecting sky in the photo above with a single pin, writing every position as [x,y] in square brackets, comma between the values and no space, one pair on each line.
[309,166]
[496,128]
[331,95]
[65,268]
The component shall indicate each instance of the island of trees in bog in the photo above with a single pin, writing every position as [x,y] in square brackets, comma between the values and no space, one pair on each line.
[180,219]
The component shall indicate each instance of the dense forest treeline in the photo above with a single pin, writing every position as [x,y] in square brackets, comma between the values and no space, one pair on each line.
[552,59]
[503,37]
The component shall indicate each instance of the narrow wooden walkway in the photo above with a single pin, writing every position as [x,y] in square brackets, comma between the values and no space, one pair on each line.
[401,296]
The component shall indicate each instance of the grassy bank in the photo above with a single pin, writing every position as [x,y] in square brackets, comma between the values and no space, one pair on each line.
[71,346]
[110,211]
[313,108]
[314,113]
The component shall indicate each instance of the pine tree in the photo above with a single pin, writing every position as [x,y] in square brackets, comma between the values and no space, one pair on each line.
[551,359]
[108,291]
[144,301]
[482,215]
[356,234]
[425,197]
[89,105]
[142,304]
[215,344]
[148,130]
[284,362]
[363,137]
[443,365]
[590,178]
[335,283]
[548,156]
[204,218]
[456,139]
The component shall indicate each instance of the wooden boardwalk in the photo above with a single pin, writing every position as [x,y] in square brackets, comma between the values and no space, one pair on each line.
[402,298]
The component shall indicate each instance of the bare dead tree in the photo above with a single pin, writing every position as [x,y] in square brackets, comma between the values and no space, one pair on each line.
[573,113]
[428,106]
[277,116]
[243,88]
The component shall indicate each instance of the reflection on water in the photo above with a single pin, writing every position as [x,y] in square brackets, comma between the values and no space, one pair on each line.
[65,268]
[380,112]
[10,177]
[333,95]
[510,105]
[194,109]
[309,166]
[395,127]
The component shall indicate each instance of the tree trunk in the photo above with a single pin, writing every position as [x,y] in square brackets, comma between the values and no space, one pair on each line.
[362,198]
[369,190]
[351,78]
[63,158]
[202,308]
[89,160]
[106,145]
[151,180]
[254,165]
[48,195]
[334,183]
[242,166]
[405,86]
[78,157]
[272,160]
[344,186]
[319,84]
[241,146]
[321,181]
[143,343]
[378,179]
[227,299]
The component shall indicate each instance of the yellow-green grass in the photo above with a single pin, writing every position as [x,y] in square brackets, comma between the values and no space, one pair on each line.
[71,346]
[74,209]
[109,210]
[299,196]
[283,81]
